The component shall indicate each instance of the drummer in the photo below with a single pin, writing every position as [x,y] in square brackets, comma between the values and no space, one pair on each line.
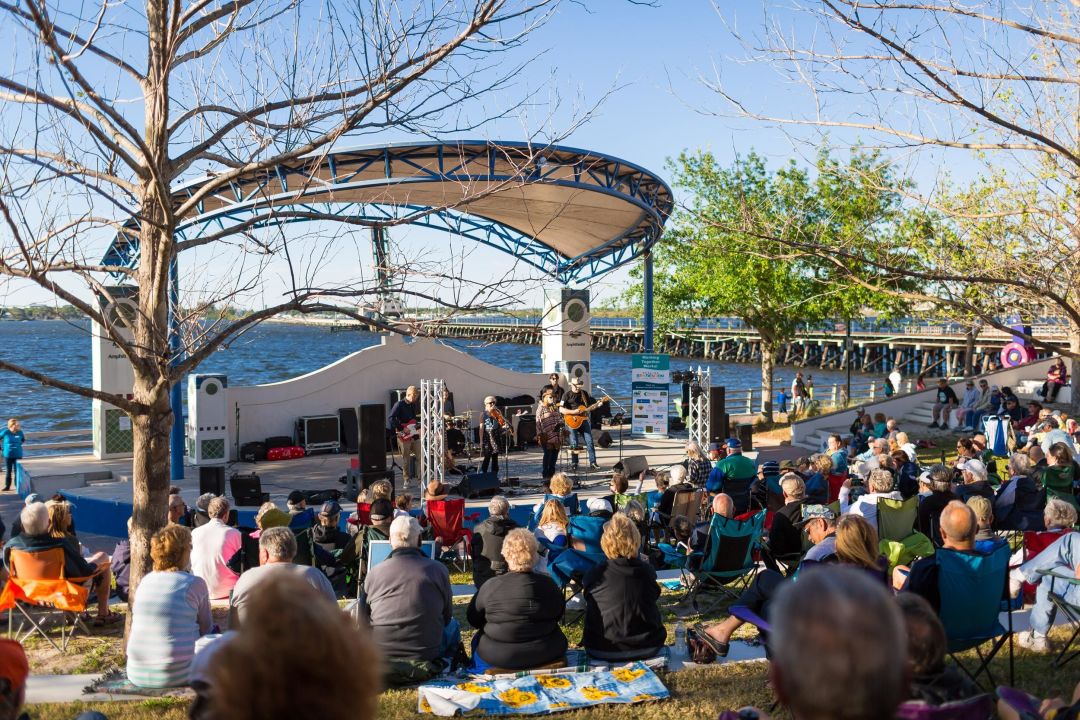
[448,406]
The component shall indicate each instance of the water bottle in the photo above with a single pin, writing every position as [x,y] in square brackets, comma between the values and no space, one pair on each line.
[678,650]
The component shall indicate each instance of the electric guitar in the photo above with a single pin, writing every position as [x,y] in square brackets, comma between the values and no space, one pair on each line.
[409,431]
[575,421]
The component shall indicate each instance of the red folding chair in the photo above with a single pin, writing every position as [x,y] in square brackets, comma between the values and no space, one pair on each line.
[836,481]
[1035,541]
[363,514]
[447,521]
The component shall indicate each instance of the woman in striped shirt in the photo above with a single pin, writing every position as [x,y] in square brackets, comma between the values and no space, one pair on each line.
[171,611]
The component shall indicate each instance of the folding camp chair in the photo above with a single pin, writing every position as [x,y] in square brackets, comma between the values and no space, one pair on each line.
[1058,481]
[980,707]
[836,482]
[971,587]
[686,503]
[1034,542]
[623,499]
[896,518]
[36,584]
[728,557]
[570,502]
[1059,586]
[447,520]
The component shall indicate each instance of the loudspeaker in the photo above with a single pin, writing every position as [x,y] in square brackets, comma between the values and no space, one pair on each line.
[212,480]
[371,438]
[247,490]
[477,484]
[604,439]
[718,420]
[745,433]
[633,465]
[524,430]
[253,452]
[350,429]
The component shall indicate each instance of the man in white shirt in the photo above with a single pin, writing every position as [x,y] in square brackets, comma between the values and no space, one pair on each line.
[212,546]
[277,548]
[880,484]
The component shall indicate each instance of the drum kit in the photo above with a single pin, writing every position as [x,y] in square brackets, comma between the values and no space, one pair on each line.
[459,437]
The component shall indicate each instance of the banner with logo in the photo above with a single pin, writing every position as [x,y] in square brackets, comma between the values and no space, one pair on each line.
[650,382]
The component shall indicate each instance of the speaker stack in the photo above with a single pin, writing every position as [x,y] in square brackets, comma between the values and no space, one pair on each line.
[478,484]
[718,417]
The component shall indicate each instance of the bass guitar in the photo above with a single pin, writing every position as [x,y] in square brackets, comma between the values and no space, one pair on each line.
[575,421]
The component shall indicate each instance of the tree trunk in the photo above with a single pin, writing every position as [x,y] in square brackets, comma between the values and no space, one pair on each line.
[150,473]
[768,363]
[969,350]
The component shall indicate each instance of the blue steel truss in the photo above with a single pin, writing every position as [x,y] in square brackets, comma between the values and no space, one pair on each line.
[265,199]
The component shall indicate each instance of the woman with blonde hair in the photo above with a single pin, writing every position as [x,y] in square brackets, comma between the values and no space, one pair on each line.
[170,612]
[857,546]
[60,523]
[698,466]
[517,614]
[553,523]
[622,619]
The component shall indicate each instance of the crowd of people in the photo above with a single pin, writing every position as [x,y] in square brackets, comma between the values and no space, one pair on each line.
[823,528]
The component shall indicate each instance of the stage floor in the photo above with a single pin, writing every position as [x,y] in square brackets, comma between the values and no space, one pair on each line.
[103,487]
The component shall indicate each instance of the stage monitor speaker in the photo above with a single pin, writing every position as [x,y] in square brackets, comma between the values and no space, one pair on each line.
[371,438]
[478,484]
[246,490]
[745,433]
[604,439]
[212,480]
[350,429]
[718,422]
[633,465]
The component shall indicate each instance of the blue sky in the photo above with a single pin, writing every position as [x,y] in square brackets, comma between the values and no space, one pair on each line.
[651,59]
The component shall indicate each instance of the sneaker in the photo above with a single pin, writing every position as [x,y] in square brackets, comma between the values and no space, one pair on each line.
[932,425]
[594,466]
[1033,641]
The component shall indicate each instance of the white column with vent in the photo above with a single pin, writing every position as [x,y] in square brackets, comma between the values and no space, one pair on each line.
[566,334]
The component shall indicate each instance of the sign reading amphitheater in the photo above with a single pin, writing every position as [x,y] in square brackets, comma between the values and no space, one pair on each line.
[650,381]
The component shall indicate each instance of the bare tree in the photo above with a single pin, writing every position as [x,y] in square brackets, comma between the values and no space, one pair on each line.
[998,82]
[104,109]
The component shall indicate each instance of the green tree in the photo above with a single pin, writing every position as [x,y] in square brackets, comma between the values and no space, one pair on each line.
[728,251]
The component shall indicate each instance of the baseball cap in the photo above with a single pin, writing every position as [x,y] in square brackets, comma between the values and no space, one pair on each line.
[734,443]
[813,512]
[381,509]
[975,467]
[330,509]
[296,497]
[716,446]
[13,664]
[771,467]
[598,505]
[275,517]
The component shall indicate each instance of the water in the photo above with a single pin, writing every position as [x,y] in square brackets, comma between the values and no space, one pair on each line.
[269,353]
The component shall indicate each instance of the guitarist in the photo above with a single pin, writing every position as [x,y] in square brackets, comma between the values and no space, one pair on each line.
[577,401]
[404,419]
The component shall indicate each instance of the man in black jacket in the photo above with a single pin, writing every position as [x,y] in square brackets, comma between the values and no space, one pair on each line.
[946,402]
[487,540]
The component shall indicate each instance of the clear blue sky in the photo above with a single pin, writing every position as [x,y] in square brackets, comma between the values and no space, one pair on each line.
[654,58]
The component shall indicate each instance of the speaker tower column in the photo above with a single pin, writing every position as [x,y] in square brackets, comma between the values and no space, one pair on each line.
[566,336]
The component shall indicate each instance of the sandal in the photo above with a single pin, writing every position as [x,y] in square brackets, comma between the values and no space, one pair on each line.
[111,619]
[720,648]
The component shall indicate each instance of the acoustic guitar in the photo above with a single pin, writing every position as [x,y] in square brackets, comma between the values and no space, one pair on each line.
[575,421]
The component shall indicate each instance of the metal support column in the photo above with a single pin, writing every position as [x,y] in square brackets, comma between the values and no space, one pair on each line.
[379,252]
[176,396]
[433,435]
[647,302]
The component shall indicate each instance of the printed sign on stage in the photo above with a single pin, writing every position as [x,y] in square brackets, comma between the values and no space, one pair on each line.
[650,382]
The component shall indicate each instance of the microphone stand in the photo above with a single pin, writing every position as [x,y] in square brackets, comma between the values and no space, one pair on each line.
[621,408]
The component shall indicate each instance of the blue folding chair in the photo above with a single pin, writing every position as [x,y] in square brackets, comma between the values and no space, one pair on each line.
[971,587]
[728,557]
[570,502]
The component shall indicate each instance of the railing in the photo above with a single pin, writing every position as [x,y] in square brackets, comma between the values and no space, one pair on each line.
[86,439]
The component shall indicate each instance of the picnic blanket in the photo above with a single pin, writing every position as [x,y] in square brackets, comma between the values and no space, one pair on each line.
[115,682]
[541,693]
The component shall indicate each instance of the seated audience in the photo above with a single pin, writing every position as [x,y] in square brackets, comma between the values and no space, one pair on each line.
[622,619]
[382,515]
[677,484]
[734,475]
[94,571]
[932,680]
[408,601]
[880,484]
[976,481]
[60,521]
[171,611]
[487,541]
[941,494]
[698,466]
[213,545]
[517,614]
[906,474]
[809,654]
[277,548]
[199,516]
[178,510]
[817,486]
[1019,502]
[837,453]
[302,516]
[1062,558]
[553,524]
[784,537]
[986,540]
[328,532]
[618,486]
[121,565]
[957,529]
[297,656]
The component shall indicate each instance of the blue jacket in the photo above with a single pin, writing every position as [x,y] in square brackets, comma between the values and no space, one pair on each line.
[12,443]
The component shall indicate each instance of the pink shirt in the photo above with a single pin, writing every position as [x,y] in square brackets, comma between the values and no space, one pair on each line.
[212,546]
